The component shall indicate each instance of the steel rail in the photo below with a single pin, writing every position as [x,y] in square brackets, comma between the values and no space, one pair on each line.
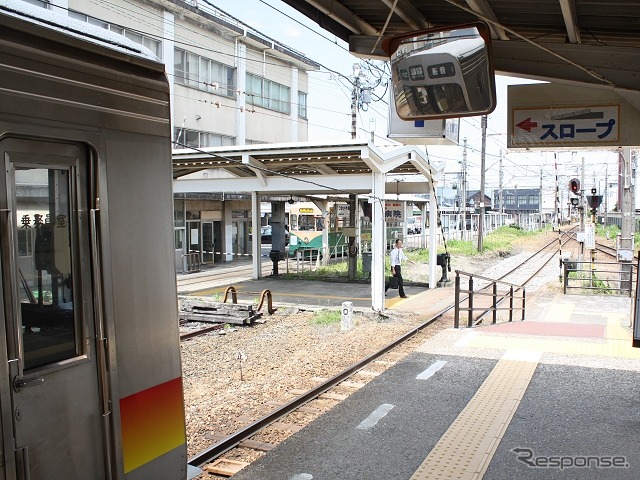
[202,331]
[232,441]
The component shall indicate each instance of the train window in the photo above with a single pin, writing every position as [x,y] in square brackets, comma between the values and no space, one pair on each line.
[43,198]
[306,222]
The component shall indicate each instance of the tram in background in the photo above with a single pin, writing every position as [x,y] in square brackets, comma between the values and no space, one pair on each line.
[306,225]
[91,386]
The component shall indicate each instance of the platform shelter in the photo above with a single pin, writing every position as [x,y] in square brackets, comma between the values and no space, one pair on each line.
[311,169]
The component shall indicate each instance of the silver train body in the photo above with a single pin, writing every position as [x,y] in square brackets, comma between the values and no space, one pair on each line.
[90,376]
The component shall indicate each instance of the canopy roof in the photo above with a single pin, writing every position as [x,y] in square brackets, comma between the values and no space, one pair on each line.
[303,168]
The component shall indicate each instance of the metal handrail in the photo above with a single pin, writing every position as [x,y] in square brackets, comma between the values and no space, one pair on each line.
[497,299]
[490,280]
[622,273]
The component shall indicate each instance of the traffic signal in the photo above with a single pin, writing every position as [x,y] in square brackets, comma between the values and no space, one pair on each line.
[574,186]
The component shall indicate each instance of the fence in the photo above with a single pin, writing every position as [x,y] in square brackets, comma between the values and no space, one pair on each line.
[191,262]
[598,277]
[490,297]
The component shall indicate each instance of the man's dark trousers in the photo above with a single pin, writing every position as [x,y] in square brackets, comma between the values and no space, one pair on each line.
[398,274]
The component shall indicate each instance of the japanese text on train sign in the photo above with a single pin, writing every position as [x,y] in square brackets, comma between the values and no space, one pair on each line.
[584,125]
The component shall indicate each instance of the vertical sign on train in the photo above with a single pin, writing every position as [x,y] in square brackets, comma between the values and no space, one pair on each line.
[394,213]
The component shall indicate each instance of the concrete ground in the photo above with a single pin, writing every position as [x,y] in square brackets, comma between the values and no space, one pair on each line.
[554,396]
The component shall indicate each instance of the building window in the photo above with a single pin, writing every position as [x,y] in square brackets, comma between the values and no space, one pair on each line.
[203,73]
[39,3]
[25,242]
[197,139]
[533,199]
[522,199]
[179,238]
[509,200]
[267,94]
[151,43]
[302,105]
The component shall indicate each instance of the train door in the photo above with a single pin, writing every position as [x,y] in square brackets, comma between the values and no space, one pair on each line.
[56,411]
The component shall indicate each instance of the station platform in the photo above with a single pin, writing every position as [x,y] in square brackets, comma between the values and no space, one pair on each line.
[555,396]
[316,293]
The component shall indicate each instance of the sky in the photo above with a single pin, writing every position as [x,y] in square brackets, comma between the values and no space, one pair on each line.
[329,110]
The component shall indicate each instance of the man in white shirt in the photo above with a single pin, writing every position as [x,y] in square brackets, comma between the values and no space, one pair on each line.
[397,257]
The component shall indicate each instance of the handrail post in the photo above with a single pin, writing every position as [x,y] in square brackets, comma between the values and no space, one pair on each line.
[495,302]
[523,302]
[456,317]
[511,303]
[470,318]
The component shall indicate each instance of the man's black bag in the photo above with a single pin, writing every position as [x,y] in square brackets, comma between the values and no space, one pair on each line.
[393,282]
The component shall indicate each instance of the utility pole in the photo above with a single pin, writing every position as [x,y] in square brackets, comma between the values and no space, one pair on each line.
[501,178]
[464,187]
[482,175]
[606,195]
[354,99]
[540,199]
[556,206]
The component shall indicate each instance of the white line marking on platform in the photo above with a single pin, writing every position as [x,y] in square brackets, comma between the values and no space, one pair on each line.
[377,415]
[428,373]
[302,476]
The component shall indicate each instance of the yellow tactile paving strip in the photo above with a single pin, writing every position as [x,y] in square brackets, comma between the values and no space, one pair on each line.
[466,448]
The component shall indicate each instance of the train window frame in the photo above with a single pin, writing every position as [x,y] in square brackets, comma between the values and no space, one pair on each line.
[25,153]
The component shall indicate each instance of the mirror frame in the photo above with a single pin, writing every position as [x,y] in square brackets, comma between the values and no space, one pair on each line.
[391,44]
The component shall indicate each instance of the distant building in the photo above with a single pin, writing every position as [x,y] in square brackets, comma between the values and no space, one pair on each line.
[519,200]
[474,199]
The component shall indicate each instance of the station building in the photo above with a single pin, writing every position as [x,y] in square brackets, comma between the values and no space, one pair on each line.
[230,85]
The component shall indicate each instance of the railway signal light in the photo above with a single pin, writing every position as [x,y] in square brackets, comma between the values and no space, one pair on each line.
[574,186]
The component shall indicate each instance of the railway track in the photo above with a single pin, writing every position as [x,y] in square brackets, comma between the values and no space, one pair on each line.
[218,277]
[200,331]
[242,436]
[610,251]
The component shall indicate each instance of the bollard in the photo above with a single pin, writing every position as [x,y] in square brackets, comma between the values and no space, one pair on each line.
[346,322]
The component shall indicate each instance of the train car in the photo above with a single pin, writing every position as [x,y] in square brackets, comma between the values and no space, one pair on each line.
[306,225]
[91,384]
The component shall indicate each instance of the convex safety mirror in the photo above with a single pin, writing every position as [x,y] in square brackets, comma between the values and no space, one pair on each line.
[443,73]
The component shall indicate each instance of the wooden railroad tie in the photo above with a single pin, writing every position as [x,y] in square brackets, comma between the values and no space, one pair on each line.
[225,467]
[217,312]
